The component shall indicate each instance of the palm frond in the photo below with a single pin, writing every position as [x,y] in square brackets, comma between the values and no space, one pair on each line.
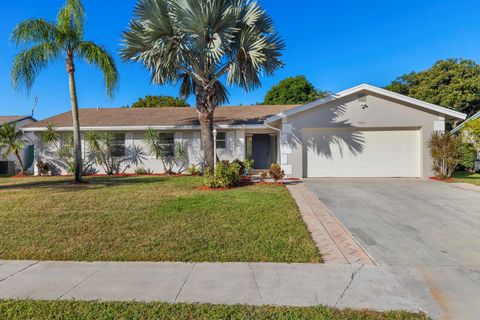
[99,57]
[71,18]
[11,139]
[28,63]
[36,31]
[196,42]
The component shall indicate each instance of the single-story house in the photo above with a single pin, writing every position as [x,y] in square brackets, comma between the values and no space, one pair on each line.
[9,165]
[364,131]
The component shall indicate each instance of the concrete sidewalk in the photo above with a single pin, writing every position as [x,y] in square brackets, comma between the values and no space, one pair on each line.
[337,285]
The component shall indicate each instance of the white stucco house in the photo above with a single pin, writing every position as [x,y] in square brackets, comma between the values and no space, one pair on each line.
[9,164]
[364,131]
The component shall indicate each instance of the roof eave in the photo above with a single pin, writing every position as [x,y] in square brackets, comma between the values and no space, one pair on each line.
[140,128]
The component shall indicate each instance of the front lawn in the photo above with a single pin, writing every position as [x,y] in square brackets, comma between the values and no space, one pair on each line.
[463,176]
[73,310]
[149,219]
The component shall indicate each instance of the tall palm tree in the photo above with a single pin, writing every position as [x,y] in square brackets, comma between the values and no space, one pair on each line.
[13,142]
[200,42]
[61,39]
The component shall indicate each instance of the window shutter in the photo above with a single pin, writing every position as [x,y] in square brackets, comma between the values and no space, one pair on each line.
[196,142]
[231,141]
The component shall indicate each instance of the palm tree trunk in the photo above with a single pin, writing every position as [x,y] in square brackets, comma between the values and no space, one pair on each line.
[22,169]
[206,133]
[77,149]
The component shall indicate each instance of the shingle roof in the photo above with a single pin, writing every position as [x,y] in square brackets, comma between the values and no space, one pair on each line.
[10,119]
[166,116]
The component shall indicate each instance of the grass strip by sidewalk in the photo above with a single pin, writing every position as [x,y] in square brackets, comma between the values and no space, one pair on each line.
[76,310]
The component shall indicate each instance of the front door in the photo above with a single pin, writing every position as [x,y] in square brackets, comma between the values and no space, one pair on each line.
[261,151]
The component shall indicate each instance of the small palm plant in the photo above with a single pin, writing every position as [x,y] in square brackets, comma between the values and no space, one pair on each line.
[198,43]
[13,142]
[51,41]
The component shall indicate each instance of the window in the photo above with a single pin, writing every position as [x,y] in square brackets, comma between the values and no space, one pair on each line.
[118,146]
[166,143]
[221,140]
[249,146]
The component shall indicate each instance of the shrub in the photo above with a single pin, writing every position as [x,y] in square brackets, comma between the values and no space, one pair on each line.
[171,153]
[143,171]
[445,149]
[263,175]
[249,166]
[193,170]
[225,176]
[468,155]
[43,168]
[276,172]
[241,164]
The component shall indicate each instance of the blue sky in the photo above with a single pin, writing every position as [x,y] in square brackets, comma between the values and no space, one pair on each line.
[336,44]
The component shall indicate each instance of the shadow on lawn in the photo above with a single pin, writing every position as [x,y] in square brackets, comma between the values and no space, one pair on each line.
[91,183]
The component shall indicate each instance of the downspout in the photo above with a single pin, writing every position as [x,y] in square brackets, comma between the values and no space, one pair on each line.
[279,142]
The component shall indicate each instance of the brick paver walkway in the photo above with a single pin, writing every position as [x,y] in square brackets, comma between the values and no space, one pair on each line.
[332,239]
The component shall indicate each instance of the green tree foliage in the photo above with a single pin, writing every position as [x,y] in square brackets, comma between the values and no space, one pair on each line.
[12,141]
[468,155]
[198,43]
[293,90]
[471,133]
[63,39]
[159,101]
[452,83]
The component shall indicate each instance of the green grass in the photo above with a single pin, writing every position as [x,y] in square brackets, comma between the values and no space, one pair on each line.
[149,219]
[463,176]
[70,310]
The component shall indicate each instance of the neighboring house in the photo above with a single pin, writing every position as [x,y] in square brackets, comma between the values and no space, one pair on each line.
[459,127]
[10,165]
[363,131]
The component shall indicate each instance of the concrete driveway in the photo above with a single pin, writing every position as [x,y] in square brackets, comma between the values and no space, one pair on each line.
[425,232]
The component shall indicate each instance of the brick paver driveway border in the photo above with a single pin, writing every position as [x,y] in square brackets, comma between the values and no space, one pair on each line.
[332,239]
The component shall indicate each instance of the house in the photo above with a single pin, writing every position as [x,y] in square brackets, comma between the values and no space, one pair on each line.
[9,165]
[364,131]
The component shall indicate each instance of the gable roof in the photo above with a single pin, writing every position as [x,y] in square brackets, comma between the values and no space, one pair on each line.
[373,89]
[11,119]
[165,117]
[459,127]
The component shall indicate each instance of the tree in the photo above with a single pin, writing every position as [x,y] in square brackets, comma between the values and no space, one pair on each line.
[293,90]
[51,41]
[452,83]
[445,149]
[12,140]
[159,101]
[198,43]
[471,133]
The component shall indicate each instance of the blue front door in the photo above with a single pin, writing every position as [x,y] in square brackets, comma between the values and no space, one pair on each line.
[261,151]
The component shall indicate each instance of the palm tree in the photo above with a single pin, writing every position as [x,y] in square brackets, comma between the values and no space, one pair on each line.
[200,42]
[12,140]
[61,39]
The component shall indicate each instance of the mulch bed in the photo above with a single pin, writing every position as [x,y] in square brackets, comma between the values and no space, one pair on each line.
[442,179]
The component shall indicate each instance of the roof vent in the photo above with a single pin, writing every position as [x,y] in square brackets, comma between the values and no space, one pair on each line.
[362,100]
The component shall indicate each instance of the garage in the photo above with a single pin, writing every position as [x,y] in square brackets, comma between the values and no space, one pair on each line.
[366,153]
[363,132]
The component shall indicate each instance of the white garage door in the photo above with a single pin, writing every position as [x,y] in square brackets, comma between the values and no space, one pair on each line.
[369,153]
